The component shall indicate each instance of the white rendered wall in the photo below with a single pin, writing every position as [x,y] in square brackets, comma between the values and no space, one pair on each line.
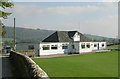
[77,48]
[76,37]
[95,48]
[92,48]
[77,45]
[85,50]
[100,45]
[53,51]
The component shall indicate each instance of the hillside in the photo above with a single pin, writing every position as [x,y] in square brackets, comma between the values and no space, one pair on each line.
[37,35]
[28,35]
[101,38]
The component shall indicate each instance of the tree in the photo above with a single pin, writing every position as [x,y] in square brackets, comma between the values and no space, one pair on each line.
[5,4]
[3,15]
[2,29]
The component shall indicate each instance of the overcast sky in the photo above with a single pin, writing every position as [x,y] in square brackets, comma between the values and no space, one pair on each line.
[97,18]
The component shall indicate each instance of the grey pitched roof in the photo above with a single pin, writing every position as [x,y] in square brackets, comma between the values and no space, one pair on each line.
[24,35]
[64,36]
[71,33]
[84,38]
[58,36]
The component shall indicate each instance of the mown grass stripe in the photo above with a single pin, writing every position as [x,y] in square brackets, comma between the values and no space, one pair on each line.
[89,65]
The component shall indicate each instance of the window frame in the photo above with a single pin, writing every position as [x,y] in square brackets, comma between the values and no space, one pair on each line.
[73,46]
[88,45]
[54,47]
[83,44]
[95,45]
[46,47]
[103,45]
[64,46]
[31,47]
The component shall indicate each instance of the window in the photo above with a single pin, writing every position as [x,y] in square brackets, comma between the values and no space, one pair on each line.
[31,47]
[83,45]
[103,45]
[73,47]
[46,47]
[95,45]
[54,47]
[64,46]
[91,44]
[88,45]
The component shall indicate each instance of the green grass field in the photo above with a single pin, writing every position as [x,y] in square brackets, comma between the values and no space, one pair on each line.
[87,65]
[113,47]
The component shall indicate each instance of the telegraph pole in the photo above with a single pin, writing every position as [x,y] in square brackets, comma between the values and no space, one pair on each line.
[14,32]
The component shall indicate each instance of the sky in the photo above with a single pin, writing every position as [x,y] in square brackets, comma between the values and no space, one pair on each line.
[96,18]
[65,0]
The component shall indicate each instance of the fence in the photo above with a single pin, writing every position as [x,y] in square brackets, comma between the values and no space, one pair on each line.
[30,53]
[26,67]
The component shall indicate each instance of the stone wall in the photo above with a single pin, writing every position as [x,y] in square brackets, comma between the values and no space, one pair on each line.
[26,67]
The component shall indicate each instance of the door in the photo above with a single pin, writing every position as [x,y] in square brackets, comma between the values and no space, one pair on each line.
[98,47]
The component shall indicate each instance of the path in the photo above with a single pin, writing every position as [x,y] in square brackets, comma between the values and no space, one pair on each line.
[5,67]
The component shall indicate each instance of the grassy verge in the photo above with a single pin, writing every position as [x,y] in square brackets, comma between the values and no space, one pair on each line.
[89,65]
[113,47]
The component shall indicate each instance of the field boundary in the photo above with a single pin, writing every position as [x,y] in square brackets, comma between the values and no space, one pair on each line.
[27,66]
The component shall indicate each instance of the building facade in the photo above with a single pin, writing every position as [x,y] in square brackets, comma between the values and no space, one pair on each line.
[63,42]
[72,42]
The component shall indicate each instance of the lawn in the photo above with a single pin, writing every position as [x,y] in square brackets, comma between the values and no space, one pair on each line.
[113,47]
[87,65]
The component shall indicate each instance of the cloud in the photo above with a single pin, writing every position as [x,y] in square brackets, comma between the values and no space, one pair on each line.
[105,26]
[102,18]
[71,10]
[31,10]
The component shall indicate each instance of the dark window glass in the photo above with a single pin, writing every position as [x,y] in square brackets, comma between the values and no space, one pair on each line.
[103,45]
[83,45]
[64,46]
[73,47]
[54,47]
[31,47]
[88,45]
[95,45]
[46,47]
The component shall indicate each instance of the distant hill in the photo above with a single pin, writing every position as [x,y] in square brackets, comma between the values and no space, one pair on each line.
[28,35]
[101,38]
[37,35]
